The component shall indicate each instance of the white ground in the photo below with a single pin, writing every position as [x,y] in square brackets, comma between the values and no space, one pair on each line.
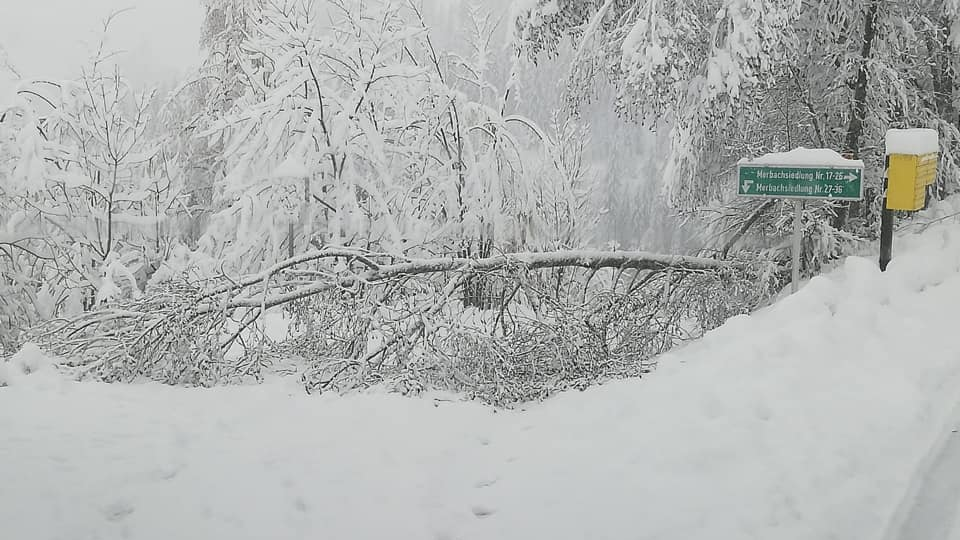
[825,416]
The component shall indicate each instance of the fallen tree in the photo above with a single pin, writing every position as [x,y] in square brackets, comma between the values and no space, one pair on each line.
[374,273]
[359,318]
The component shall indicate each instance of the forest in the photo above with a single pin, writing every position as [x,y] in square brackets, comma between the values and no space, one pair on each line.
[342,195]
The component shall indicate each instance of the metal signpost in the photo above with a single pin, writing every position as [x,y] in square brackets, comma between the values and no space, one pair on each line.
[800,182]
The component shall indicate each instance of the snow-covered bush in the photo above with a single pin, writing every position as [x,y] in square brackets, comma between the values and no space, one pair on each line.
[85,194]
[159,336]
[763,229]
[30,361]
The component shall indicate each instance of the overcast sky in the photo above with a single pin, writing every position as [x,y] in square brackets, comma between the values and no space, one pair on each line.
[53,38]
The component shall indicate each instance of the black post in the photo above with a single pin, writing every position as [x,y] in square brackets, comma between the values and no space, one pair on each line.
[886,236]
[886,224]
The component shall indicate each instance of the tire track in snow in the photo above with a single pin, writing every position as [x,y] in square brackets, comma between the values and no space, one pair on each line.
[929,510]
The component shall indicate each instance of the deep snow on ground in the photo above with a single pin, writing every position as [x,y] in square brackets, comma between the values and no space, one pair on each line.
[809,419]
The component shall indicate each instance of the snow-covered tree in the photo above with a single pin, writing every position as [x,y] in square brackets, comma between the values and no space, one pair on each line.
[844,69]
[737,78]
[351,128]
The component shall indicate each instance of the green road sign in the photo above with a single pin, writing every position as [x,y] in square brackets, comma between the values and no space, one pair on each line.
[795,182]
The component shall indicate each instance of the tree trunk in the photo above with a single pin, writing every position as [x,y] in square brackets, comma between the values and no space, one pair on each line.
[858,108]
[248,292]
[943,77]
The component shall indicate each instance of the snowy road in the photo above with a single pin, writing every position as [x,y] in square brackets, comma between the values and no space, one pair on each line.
[931,506]
[821,417]
[930,510]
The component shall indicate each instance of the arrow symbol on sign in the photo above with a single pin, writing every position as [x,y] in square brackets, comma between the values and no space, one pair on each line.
[746,185]
[850,177]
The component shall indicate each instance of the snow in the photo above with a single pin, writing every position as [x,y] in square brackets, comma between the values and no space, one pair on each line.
[29,367]
[912,141]
[809,419]
[291,167]
[934,495]
[805,157]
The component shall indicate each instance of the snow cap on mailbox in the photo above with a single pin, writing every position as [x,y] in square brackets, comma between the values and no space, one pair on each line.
[913,142]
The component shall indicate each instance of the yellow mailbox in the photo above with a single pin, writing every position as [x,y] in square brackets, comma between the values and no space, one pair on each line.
[908,177]
[912,166]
